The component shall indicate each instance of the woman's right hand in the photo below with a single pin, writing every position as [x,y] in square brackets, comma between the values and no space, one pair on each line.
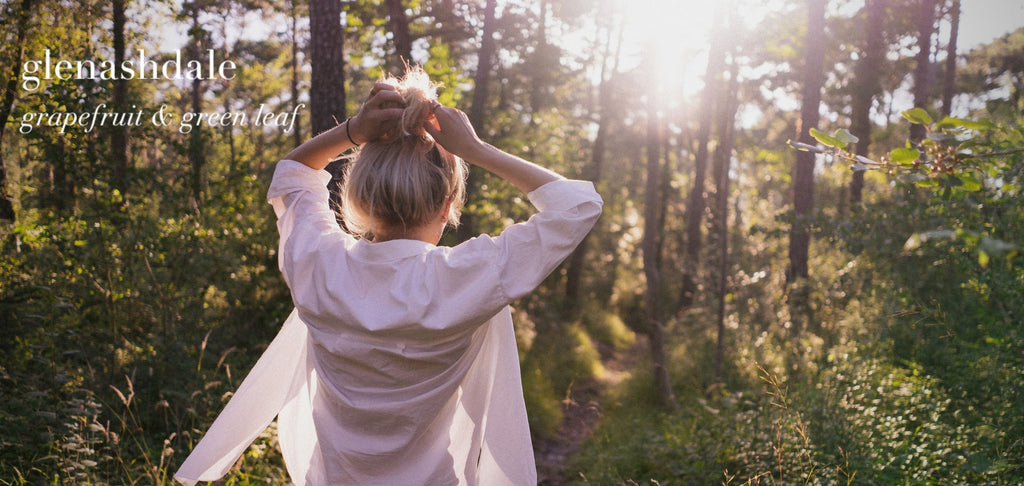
[451,128]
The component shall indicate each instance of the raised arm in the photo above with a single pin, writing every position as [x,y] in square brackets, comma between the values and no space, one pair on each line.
[454,132]
[373,121]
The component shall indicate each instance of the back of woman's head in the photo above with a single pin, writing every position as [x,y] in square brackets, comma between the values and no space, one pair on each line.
[405,181]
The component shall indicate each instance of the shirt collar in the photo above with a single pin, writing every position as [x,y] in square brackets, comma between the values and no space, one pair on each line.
[391,249]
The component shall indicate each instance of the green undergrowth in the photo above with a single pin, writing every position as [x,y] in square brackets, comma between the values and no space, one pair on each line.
[902,368]
[557,356]
[900,361]
[863,417]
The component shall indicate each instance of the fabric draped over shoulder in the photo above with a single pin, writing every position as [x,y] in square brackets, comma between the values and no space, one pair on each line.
[399,364]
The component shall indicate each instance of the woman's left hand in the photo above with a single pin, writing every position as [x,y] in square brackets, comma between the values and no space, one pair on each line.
[376,118]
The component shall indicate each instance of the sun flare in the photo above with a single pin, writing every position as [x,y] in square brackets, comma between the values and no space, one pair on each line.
[673,34]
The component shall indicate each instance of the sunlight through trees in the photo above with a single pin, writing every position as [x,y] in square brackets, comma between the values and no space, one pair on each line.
[807,266]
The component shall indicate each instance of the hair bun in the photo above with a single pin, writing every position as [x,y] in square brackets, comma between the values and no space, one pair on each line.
[419,93]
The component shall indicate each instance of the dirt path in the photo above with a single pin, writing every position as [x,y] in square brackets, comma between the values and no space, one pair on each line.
[581,412]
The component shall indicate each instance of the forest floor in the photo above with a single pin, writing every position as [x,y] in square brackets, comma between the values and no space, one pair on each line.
[582,410]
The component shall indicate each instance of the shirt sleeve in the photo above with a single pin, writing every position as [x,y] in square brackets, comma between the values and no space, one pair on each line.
[305,221]
[293,179]
[524,254]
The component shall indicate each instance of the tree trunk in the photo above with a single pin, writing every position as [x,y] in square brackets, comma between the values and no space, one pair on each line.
[866,76]
[481,85]
[327,60]
[485,64]
[652,203]
[922,68]
[119,134]
[294,65]
[541,63]
[399,24]
[450,23]
[327,80]
[196,149]
[574,272]
[949,79]
[62,185]
[723,156]
[695,202]
[18,50]
[720,159]
[227,97]
[803,173]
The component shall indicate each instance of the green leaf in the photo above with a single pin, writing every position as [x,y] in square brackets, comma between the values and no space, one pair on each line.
[805,147]
[983,258]
[980,125]
[827,140]
[844,135]
[950,122]
[969,237]
[918,116]
[966,145]
[917,239]
[913,243]
[904,156]
[927,182]
[970,182]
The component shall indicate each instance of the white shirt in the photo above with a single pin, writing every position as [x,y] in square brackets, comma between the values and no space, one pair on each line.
[399,364]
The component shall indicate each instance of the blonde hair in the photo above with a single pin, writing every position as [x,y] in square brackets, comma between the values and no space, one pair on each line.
[403,182]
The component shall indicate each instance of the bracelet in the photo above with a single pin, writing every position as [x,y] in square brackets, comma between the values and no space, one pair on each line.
[347,134]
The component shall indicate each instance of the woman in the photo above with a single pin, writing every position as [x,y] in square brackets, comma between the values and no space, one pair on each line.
[399,364]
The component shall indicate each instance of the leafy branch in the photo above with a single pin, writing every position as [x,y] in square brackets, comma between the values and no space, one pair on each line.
[944,159]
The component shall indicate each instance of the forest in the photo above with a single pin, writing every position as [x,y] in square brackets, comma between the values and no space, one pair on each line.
[807,270]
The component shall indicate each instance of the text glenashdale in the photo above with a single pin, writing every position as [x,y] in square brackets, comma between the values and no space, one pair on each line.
[34,72]
[140,67]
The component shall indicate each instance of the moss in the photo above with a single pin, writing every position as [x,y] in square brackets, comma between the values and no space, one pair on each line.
[607,328]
